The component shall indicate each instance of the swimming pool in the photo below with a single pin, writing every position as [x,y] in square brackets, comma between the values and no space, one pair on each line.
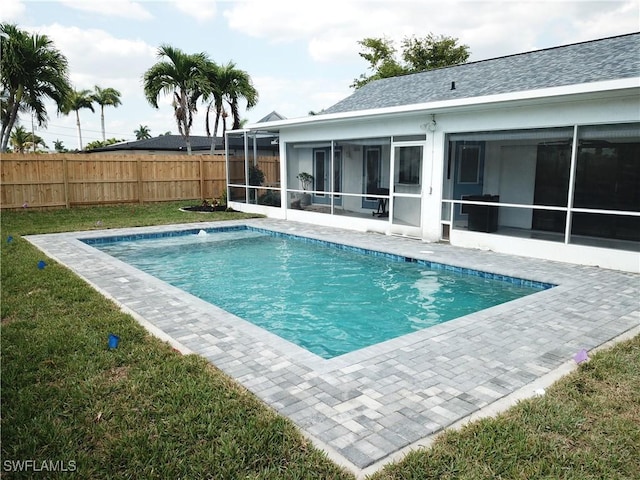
[326,297]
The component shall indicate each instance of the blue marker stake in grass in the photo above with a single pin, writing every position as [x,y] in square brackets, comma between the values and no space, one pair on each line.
[114,340]
[9,239]
[42,264]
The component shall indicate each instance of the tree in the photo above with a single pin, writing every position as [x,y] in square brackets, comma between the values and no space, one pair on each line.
[77,100]
[32,71]
[380,53]
[19,140]
[418,55]
[22,141]
[103,143]
[433,52]
[104,97]
[183,76]
[142,133]
[239,87]
[59,146]
[227,84]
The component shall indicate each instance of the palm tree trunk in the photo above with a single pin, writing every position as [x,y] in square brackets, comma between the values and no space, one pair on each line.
[224,129]
[102,122]
[216,124]
[6,129]
[235,113]
[206,124]
[79,131]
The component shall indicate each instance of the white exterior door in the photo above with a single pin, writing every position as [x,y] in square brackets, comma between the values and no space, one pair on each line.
[406,195]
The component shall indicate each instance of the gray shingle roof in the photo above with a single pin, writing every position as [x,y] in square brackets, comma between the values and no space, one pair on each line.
[597,60]
[165,142]
[272,117]
[175,143]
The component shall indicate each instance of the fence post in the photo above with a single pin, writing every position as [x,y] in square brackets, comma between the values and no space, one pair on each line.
[65,179]
[139,165]
[202,177]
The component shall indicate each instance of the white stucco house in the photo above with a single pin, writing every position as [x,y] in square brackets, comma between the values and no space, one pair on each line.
[535,154]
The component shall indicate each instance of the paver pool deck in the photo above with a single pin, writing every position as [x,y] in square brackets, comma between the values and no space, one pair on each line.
[368,407]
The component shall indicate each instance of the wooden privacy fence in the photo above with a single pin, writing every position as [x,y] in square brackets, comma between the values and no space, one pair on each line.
[65,180]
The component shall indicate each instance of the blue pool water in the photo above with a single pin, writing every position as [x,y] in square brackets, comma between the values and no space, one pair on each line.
[324,297]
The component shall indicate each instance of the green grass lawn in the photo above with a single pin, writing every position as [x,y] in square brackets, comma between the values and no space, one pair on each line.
[145,411]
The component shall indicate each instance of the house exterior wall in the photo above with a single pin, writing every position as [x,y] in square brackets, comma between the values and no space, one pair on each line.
[566,111]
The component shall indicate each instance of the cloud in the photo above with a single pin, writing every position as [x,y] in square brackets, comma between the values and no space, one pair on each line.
[331,29]
[96,55]
[11,10]
[115,8]
[294,96]
[606,22]
[201,10]
[277,20]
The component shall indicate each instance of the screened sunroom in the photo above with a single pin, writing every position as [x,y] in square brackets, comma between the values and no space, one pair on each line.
[578,185]
[253,175]
[347,178]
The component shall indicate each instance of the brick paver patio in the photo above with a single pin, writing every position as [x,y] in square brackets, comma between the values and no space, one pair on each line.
[366,406]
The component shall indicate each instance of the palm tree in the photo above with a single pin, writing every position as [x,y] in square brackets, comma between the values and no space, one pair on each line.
[228,84]
[183,76]
[75,101]
[22,141]
[104,97]
[33,70]
[213,98]
[240,87]
[59,146]
[142,133]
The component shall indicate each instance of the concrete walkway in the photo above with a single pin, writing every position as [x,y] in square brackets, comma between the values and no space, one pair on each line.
[368,407]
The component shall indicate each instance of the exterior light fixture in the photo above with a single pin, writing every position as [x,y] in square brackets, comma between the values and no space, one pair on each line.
[432,125]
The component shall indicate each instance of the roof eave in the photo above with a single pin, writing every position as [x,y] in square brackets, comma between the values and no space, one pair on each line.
[439,106]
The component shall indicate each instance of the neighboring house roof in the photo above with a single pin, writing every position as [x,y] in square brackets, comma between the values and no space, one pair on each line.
[175,143]
[271,117]
[163,142]
[593,61]
[199,143]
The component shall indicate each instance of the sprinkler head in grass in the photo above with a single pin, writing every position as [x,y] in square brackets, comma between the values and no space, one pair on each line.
[42,264]
[99,223]
[581,356]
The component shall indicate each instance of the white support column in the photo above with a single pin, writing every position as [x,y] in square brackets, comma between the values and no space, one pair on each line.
[246,166]
[572,179]
[331,175]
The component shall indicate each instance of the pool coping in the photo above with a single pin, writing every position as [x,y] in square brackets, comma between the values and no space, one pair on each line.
[367,407]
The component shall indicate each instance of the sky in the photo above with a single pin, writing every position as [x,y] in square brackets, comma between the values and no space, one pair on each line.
[302,55]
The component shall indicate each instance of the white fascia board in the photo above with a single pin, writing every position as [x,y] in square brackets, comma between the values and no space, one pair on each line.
[439,106]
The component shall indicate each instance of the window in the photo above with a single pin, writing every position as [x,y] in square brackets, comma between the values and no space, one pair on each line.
[409,162]
[469,171]
[373,170]
[319,170]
